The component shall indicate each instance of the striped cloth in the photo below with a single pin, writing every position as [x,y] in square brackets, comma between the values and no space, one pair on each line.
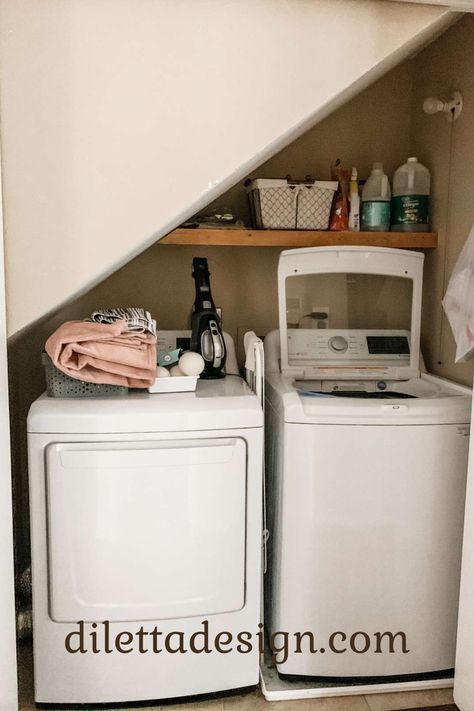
[138,320]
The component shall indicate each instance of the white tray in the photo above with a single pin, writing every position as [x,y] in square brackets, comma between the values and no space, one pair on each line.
[180,384]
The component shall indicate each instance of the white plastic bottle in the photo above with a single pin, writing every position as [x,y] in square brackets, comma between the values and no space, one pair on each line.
[354,215]
[411,197]
[376,201]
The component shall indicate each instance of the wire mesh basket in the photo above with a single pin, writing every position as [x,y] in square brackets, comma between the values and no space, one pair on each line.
[60,385]
[291,205]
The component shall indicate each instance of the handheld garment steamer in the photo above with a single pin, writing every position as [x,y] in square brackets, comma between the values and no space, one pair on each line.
[206,333]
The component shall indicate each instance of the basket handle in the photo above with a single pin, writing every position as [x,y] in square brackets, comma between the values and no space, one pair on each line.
[306,179]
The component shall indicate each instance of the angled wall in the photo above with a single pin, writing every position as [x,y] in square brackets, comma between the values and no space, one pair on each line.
[120,118]
[448,151]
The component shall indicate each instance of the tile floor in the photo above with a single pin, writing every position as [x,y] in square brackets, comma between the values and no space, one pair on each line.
[254,701]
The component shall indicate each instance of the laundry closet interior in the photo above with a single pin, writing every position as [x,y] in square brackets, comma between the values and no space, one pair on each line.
[386,123]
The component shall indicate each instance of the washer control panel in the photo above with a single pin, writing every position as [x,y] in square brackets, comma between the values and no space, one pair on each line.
[348,345]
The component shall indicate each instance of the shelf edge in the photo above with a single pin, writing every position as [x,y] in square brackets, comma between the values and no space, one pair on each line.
[294,238]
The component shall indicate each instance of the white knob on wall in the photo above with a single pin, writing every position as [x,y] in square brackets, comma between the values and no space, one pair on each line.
[451,108]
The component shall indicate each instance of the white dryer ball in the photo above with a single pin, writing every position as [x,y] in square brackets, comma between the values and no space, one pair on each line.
[191,363]
[176,372]
[162,372]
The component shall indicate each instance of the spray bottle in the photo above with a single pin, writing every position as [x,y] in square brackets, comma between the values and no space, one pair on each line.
[354,215]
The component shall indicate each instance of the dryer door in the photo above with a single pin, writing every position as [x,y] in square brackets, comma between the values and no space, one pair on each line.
[146,530]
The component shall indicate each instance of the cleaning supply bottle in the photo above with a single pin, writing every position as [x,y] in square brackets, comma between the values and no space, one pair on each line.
[354,215]
[411,197]
[376,201]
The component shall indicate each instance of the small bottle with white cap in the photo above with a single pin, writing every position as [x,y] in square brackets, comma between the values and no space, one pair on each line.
[354,215]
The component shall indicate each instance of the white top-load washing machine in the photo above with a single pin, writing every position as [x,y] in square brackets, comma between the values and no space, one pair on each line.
[366,466]
[464,680]
[146,530]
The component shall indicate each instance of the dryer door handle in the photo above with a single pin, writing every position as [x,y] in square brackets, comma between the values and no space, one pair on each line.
[395,408]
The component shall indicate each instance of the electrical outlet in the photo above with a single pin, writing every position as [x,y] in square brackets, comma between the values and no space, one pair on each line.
[294,305]
[320,315]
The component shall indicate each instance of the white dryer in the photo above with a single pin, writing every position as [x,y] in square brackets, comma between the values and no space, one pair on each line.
[366,466]
[146,529]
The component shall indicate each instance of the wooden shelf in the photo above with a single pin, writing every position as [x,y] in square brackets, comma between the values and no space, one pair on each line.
[295,238]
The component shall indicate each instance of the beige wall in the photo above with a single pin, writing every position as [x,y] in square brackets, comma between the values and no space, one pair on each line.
[448,150]
[464,5]
[244,285]
[374,125]
[119,119]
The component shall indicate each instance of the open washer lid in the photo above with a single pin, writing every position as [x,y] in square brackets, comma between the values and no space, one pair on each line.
[350,312]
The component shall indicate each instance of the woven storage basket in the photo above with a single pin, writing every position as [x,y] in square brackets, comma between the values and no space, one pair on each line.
[60,385]
[287,205]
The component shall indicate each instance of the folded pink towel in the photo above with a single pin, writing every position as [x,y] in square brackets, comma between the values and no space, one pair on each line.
[104,353]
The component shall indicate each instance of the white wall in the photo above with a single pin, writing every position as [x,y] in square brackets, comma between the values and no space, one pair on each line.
[8,674]
[374,125]
[121,117]
[464,5]
[464,676]
[448,151]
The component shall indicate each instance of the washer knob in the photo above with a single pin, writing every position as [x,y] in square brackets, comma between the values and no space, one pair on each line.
[338,344]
